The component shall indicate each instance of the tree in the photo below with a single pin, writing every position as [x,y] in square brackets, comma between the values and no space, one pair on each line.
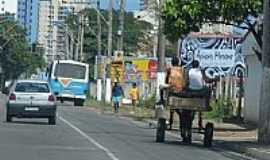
[134,33]
[184,16]
[134,30]
[15,55]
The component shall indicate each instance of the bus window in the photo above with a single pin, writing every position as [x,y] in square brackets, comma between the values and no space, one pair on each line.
[70,71]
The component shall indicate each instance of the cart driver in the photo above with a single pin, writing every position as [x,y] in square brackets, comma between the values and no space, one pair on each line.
[175,82]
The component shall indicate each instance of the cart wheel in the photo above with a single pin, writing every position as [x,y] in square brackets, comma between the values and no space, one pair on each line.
[161,127]
[208,134]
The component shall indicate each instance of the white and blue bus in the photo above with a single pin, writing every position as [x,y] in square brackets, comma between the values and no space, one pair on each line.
[69,80]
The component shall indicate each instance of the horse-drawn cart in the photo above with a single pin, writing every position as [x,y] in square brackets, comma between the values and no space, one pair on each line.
[186,106]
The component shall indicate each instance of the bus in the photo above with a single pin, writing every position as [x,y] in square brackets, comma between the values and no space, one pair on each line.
[69,81]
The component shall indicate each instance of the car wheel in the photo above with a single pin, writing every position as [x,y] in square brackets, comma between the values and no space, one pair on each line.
[9,118]
[78,102]
[52,120]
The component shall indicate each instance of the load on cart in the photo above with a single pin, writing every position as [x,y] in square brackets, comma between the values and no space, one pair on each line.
[185,93]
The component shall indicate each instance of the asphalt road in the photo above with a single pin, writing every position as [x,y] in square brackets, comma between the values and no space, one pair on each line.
[81,134]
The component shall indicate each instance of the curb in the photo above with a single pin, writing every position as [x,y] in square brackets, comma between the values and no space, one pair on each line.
[244,149]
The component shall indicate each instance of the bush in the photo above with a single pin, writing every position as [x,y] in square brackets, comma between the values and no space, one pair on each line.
[220,110]
[148,103]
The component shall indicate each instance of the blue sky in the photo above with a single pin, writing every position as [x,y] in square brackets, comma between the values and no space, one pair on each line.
[131,5]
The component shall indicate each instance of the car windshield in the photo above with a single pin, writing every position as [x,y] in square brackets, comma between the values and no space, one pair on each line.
[70,71]
[32,87]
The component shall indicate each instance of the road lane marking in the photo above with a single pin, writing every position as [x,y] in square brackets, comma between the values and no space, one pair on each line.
[90,139]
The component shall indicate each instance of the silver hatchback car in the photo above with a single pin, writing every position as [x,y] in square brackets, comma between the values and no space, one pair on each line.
[31,99]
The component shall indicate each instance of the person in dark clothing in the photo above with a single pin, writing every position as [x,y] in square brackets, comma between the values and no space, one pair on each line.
[117,93]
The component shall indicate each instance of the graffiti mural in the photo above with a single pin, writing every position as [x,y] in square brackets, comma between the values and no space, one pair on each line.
[139,70]
[218,55]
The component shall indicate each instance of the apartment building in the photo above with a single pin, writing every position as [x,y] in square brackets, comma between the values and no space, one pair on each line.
[27,16]
[52,31]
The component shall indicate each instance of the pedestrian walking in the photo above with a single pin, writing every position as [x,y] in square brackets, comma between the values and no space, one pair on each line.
[134,94]
[117,93]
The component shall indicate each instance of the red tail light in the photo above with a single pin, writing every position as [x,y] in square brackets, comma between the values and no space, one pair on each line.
[51,98]
[12,97]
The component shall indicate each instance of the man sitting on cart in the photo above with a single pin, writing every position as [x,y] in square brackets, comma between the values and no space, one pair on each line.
[196,89]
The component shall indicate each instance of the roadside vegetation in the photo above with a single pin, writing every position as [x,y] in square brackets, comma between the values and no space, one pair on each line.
[17,56]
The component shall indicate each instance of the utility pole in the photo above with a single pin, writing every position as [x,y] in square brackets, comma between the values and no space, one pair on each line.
[121,25]
[161,75]
[78,40]
[264,116]
[99,29]
[161,40]
[82,37]
[110,28]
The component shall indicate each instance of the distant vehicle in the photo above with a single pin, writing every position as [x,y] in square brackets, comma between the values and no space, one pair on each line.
[69,80]
[31,99]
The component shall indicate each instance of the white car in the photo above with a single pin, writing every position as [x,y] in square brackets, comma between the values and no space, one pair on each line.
[31,99]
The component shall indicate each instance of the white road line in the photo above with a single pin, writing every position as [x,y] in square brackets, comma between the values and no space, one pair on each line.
[90,139]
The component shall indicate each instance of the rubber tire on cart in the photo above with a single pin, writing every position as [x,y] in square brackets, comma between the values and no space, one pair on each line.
[9,118]
[78,102]
[52,120]
[208,134]
[161,127]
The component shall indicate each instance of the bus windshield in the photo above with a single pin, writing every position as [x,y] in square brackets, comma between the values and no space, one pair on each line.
[66,70]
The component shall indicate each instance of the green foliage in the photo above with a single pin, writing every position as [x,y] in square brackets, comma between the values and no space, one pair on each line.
[220,110]
[15,57]
[133,30]
[148,103]
[184,16]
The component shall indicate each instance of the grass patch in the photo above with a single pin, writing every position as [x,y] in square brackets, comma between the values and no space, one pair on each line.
[138,113]
[98,105]
[220,110]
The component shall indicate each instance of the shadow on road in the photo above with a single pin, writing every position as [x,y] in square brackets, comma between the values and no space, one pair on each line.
[27,122]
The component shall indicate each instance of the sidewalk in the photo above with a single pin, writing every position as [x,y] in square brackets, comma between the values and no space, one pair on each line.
[237,137]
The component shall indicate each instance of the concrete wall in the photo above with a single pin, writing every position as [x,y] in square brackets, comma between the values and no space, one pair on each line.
[252,89]
[252,81]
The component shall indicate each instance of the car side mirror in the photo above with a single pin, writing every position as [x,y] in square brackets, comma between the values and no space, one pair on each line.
[5,91]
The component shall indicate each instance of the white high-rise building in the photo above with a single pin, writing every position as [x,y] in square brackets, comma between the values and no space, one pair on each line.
[27,16]
[52,31]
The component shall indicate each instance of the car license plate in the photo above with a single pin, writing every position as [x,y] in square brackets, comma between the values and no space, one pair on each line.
[31,109]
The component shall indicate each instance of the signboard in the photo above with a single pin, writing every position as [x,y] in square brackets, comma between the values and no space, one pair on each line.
[215,57]
[117,71]
[138,70]
[100,67]
[118,56]
[218,55]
